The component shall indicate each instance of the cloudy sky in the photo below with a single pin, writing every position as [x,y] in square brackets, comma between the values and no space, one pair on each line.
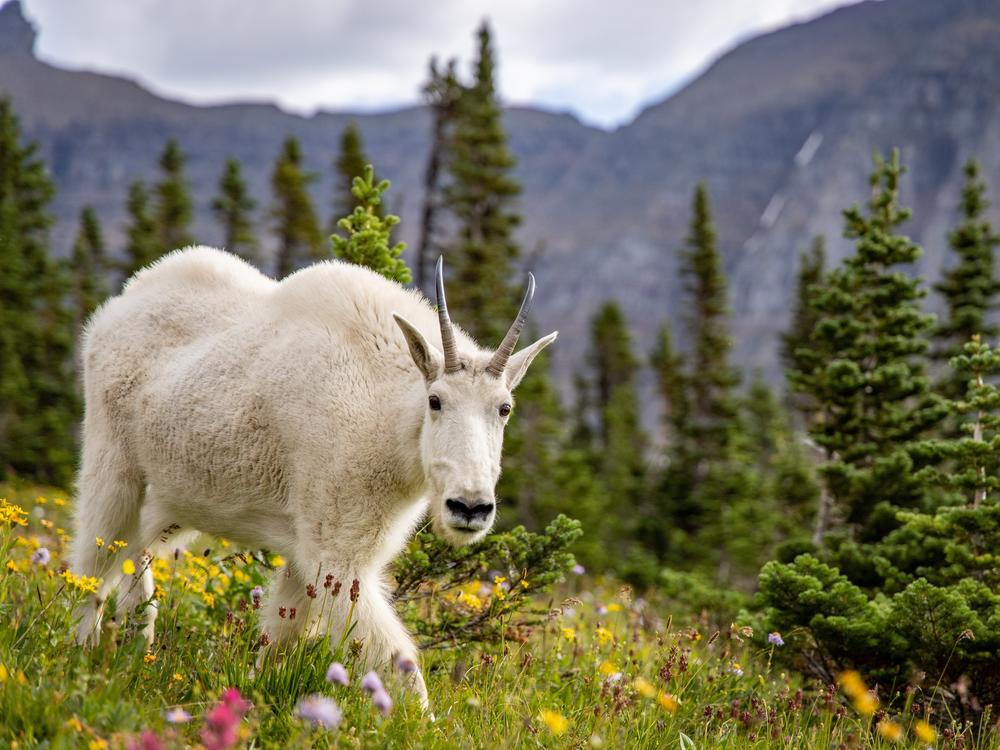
[601,59]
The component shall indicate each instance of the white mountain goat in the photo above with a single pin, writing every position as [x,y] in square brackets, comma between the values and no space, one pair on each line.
[320,417]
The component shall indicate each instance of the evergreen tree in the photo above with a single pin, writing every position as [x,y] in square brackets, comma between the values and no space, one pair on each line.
[350,163]
[142,247]
[173,201]
[442,93]
[621,441]
[38,405]
[868,382]
[970,287]
[672,385]
[797,351]
[365,239]
[89,267]
[712,407]
[233,207]
[479,196]
[299,236]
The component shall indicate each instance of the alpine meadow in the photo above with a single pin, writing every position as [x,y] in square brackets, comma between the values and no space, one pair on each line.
[302,463]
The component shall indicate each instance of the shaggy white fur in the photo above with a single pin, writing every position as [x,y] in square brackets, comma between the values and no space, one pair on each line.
[292,416]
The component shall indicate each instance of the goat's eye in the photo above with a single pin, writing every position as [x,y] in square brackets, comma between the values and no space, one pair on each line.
[504,410]
[435,403]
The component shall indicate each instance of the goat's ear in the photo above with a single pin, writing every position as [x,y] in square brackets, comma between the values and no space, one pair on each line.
[518,363]
[425,356]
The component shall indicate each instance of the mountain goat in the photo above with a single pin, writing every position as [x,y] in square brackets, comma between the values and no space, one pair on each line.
[320,417]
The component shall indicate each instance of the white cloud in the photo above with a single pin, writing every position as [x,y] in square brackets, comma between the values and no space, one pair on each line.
[602,60]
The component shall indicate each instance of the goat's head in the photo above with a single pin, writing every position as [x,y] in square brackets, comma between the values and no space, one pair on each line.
[468,404]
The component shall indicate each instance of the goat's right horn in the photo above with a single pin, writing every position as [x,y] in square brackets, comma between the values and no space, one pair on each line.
[506,348]
[451,363]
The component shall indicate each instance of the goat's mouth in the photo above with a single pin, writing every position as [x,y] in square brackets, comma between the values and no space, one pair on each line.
[461,530]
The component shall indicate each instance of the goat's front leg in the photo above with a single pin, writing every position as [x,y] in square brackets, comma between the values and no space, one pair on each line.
[385,643]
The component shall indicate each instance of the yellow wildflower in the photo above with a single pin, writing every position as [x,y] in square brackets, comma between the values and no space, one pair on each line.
[3,673]
[99,541]
[554,721]
[668,702]
[890,730]
[524,583]
[614,607]
[644,688]
[40,500]
[178,677]
[277,561]
[569,634]
[607,668]
[97,744]
[83,583]
[59,501]
[240,576]
[22,678]
[603,635]
[499,579]
[924,731]
[12,566]
[149,658]
[851,683]
[208,598]
[866,703]
[74,724]
[47,523]
[470,600]
[128,568]
[12,514]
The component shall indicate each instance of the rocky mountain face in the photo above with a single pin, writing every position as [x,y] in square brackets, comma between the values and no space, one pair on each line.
[781,129]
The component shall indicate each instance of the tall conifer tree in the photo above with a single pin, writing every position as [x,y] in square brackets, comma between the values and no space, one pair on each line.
[173,201]
[299,237]
[233,208]
[442,93]
[712,406]
[89,268]
[798,346]
[480,197]
[142,246]
[970,287]
[351,162]
[38,405]
[869,382]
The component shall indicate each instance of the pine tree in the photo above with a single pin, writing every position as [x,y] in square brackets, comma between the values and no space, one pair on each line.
[173,201]
[869,386]
[299,237]
[712,407]
[89,268]
[969,288]
[479,196]
[797,351]
[38,405]
[233,207]
[142,247]
[672,385]
[350,163]
[364,238]
[622,442]
[442,93]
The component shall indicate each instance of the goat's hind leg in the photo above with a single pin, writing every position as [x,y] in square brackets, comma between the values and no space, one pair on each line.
[109,496]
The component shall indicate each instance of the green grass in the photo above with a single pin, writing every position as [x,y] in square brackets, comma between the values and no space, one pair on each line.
[606,670]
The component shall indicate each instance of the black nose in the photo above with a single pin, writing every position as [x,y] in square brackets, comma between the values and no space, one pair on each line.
[461,507]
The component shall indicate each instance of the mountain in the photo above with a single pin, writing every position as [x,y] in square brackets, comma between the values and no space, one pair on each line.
[781,129]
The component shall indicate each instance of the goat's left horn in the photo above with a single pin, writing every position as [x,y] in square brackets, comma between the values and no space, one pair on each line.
[506,348]
[451,363]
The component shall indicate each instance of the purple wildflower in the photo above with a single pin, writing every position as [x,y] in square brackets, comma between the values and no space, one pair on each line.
[406,666]
[775,639]
[578,569]
[319,710]
[370,683]
[41,556]
[178,716]
[256,594]
[337,674]
[382,701]
[147,741]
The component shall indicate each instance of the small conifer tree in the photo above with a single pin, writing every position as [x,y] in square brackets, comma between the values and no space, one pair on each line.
[173,201]
[350,163]
[365,232]
[142,246]
[233,208]
[299,236]
[89,268]
[970,287]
